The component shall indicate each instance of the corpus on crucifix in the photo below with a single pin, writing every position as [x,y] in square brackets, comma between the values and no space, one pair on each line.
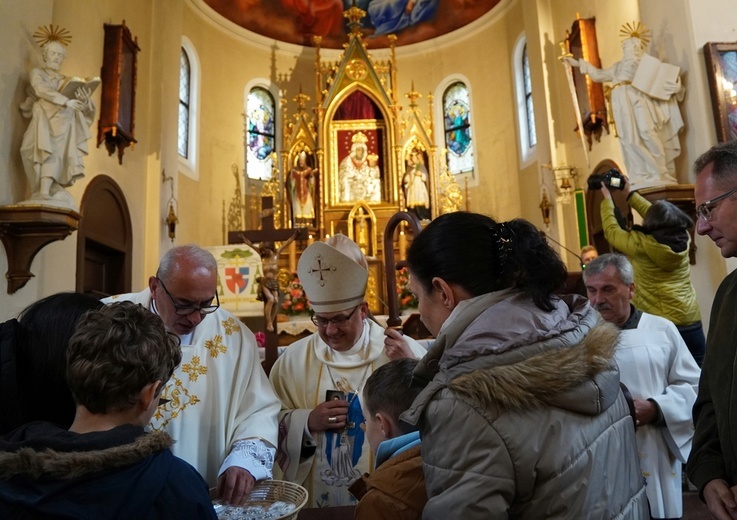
[266,237]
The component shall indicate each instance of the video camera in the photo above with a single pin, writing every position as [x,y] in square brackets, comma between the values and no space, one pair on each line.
[613,179]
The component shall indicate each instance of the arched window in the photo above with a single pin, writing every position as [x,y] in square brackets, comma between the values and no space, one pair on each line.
[525,106]
[457,128]
[185,82]
[189,88]
[260,133]
[529,108]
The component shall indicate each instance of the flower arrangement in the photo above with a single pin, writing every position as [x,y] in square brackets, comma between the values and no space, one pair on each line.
[407,300]
[295,300]
[260,339]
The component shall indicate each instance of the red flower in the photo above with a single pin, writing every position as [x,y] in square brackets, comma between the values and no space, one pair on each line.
[260,339]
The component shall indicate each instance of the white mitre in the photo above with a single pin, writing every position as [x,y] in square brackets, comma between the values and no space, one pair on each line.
[333,274]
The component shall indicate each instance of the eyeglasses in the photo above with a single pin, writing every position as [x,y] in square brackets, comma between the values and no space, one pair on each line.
[706,209]
[338,321]
[186,310]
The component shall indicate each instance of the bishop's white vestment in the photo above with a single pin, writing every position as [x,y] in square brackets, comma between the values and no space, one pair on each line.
[654,363]
[301,376]
[222,404]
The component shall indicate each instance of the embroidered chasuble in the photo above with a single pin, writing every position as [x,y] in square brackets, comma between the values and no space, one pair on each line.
[301,377]
[219,395]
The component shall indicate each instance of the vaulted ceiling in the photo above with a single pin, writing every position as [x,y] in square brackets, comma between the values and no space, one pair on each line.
[297,21]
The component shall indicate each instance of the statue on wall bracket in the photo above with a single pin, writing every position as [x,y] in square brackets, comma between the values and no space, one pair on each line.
[61,111]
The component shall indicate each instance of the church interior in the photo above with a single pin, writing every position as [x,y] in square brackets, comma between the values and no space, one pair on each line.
[255,119]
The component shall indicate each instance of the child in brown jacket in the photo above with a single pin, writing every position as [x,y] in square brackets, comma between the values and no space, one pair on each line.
[396,488]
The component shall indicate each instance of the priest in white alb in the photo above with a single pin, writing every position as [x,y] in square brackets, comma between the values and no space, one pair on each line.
[660,373]
[221,410]
[319,379]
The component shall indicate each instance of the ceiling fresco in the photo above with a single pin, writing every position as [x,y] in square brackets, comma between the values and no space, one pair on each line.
[296,21]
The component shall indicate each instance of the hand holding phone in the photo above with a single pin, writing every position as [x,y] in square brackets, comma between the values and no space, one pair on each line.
[334,395]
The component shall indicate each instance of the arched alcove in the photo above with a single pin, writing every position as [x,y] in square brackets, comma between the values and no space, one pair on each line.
[104,240]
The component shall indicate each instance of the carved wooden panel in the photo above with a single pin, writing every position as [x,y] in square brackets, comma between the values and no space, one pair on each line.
[118,106]
[583,45]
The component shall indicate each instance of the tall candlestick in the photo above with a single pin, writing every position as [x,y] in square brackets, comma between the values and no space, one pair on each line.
[402,245]
[293,256]
[310,240]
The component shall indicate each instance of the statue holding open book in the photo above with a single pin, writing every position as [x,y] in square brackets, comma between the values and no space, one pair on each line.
[644,100]
[61,112]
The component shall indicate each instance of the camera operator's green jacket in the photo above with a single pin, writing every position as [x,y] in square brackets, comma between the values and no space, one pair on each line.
[662,274]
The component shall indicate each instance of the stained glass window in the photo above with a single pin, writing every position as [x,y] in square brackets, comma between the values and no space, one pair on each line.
[457,123]
[185,82]
[260,133]
[529,108]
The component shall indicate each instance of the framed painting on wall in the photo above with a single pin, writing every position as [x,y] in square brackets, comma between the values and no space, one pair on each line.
[721,68]
[359,162]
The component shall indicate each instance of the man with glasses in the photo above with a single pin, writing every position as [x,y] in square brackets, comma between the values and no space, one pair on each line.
[319,378]
[222,411]
[712,466]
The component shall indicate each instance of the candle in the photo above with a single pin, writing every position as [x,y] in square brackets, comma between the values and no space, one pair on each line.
[293,256]
[310,240]
[402,245]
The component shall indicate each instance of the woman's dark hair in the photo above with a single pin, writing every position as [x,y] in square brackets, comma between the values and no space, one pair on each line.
[664,215]
[482,255]
[40,347]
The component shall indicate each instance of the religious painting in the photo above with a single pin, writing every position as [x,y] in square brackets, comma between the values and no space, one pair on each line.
[359,156]
[297,21]
[721,65]
[260,134]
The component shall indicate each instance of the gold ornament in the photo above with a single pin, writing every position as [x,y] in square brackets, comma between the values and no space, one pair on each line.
[635,30]
[359,137]
[52,33]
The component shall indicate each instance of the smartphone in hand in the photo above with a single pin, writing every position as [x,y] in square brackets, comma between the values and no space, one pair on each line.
[334,395]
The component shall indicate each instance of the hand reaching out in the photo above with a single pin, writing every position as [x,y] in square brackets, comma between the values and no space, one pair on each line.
[234,485]
[395,345]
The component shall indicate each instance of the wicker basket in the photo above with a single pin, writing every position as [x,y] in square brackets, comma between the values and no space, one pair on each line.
[266,492]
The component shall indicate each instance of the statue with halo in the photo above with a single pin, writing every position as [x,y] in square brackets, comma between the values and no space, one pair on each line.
[644,101]
[61,111]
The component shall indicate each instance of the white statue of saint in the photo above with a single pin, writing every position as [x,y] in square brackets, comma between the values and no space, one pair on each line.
[56,139]
[414,183]
[358,174]
[647,125]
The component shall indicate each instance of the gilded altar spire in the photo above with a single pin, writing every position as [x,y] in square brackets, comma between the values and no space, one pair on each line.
[354,15]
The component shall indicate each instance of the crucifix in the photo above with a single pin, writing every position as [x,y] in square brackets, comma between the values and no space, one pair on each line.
[268,283]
